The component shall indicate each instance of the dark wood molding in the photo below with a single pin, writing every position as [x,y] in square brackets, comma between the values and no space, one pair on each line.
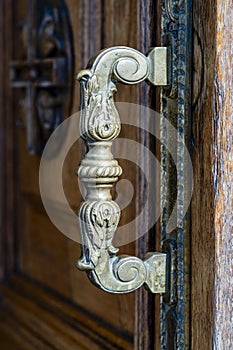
[147,308]
[2,155]
[36,316]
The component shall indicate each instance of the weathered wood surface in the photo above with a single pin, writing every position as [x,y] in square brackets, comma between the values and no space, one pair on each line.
[223,177]
[212,205]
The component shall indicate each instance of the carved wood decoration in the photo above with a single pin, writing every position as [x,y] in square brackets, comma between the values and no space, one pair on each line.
[176,107]
[46,73]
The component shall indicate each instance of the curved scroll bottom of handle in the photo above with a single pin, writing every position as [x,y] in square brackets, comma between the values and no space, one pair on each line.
[99,215]
[125,274]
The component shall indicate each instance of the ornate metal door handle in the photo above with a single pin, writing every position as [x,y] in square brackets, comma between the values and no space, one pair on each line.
[99,126]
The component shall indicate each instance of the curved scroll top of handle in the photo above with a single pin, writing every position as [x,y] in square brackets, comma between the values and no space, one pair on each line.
[126,65]
[99,215]
[129,66]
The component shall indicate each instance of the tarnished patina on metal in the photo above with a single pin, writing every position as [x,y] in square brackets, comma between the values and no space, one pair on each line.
[99,215]
[176,108]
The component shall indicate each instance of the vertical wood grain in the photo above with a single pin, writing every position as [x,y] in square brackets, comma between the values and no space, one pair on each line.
[223,177]
[202,235]
[212,205]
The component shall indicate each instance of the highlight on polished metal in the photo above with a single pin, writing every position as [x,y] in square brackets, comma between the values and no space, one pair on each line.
[99,215]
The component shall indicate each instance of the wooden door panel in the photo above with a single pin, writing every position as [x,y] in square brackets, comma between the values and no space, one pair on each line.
[39,317]
[48,303]
[36,257]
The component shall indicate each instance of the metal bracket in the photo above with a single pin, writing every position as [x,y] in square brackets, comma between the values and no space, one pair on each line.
[159,66]
[99,126]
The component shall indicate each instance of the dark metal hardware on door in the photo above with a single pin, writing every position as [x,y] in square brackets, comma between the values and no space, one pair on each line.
[45,71]
[99,126]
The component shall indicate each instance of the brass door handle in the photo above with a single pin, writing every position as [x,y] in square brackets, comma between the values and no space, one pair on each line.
[99,125]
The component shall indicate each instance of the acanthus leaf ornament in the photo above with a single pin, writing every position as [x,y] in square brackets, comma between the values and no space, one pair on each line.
[99,220]
[99,215]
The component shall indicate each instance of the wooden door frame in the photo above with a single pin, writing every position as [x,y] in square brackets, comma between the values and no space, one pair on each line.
[212,206]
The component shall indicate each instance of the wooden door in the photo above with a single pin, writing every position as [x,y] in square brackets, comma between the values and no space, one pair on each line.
[46,302]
